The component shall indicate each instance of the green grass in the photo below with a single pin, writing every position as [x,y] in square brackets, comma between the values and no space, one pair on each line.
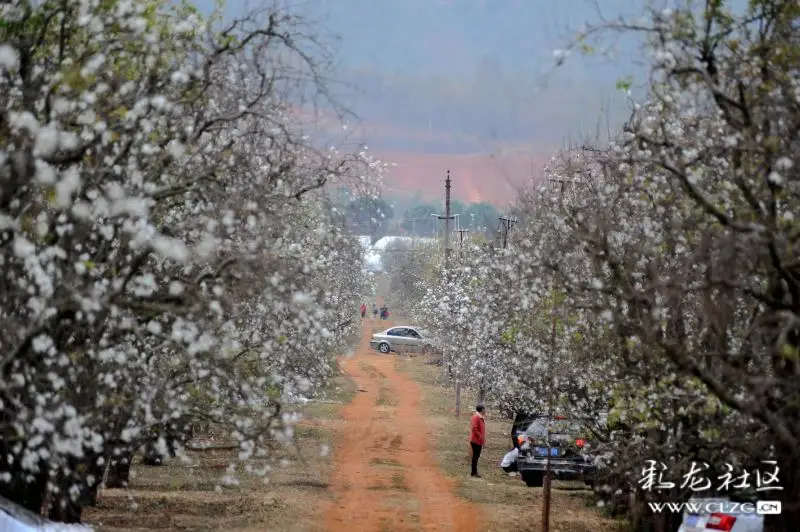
[386,462]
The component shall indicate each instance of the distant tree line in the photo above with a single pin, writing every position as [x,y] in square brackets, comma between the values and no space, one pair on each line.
[477,217]
[374,216]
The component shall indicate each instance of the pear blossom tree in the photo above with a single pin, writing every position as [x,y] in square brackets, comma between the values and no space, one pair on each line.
[707,275]
[539,333]
[657,294]
[675,256]
[454,310]
[640,407]
[410,269]
[549,343]
[167,255]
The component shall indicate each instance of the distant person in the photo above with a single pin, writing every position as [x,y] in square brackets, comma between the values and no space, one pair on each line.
[363,310]
[477,437]
[374,311]
[509,462]
[384,313]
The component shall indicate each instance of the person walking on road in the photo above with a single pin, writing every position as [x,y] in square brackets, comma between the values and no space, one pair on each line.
[477,437]
[374,311]
[363,310]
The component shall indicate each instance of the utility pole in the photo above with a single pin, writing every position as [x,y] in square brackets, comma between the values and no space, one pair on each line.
[508,223]
[547,488]
[461,238]
[447,217]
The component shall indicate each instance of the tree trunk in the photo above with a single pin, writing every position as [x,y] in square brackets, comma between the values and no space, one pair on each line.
[119,468]
[28,493]
[642,519]
[85,474]
[98,469]
[151,456]
[173,434]
[65,509]
[788,479]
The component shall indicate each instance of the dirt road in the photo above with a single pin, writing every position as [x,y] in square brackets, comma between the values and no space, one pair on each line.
[386,477]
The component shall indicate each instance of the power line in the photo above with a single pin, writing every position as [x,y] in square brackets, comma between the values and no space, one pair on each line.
[508,223]
[461,238]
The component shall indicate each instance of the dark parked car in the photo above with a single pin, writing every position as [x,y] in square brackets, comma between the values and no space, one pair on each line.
[568,457]
[522,420]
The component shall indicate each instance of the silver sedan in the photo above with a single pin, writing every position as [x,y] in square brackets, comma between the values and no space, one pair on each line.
[400,338]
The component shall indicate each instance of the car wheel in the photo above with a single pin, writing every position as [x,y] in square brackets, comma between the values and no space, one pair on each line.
[533,479]
[384,348]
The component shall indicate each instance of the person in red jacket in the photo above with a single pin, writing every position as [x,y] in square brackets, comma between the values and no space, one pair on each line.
[477,437]
[363,310]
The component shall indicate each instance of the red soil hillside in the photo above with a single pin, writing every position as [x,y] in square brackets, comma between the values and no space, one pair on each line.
[476,177]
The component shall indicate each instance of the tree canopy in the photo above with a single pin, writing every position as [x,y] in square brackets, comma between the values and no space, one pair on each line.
[169,258]
[369,216]
[477,217]
[651,288]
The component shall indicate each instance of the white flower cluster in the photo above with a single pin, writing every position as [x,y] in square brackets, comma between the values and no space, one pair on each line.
[651,289]
[168,257]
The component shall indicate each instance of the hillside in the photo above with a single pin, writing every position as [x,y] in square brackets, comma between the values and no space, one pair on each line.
[476,177]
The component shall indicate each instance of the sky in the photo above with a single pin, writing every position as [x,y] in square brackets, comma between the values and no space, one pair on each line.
[464,84]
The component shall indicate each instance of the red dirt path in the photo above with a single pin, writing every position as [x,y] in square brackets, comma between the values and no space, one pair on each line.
[386,477]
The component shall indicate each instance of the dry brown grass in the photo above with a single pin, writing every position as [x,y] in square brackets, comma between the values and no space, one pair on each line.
[191,496]
[507,504]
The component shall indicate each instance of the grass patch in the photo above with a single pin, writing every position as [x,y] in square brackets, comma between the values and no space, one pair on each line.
[385,396]
[311,432]
[502,499]
[396,442]
[372,371]
[397,484]
[386,462]
[399,481]
[341,391]
[194,496]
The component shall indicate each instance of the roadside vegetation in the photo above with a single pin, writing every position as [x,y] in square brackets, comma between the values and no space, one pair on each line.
[176,272]
[187,493]
[504,502]
[172,268]
[650,286]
